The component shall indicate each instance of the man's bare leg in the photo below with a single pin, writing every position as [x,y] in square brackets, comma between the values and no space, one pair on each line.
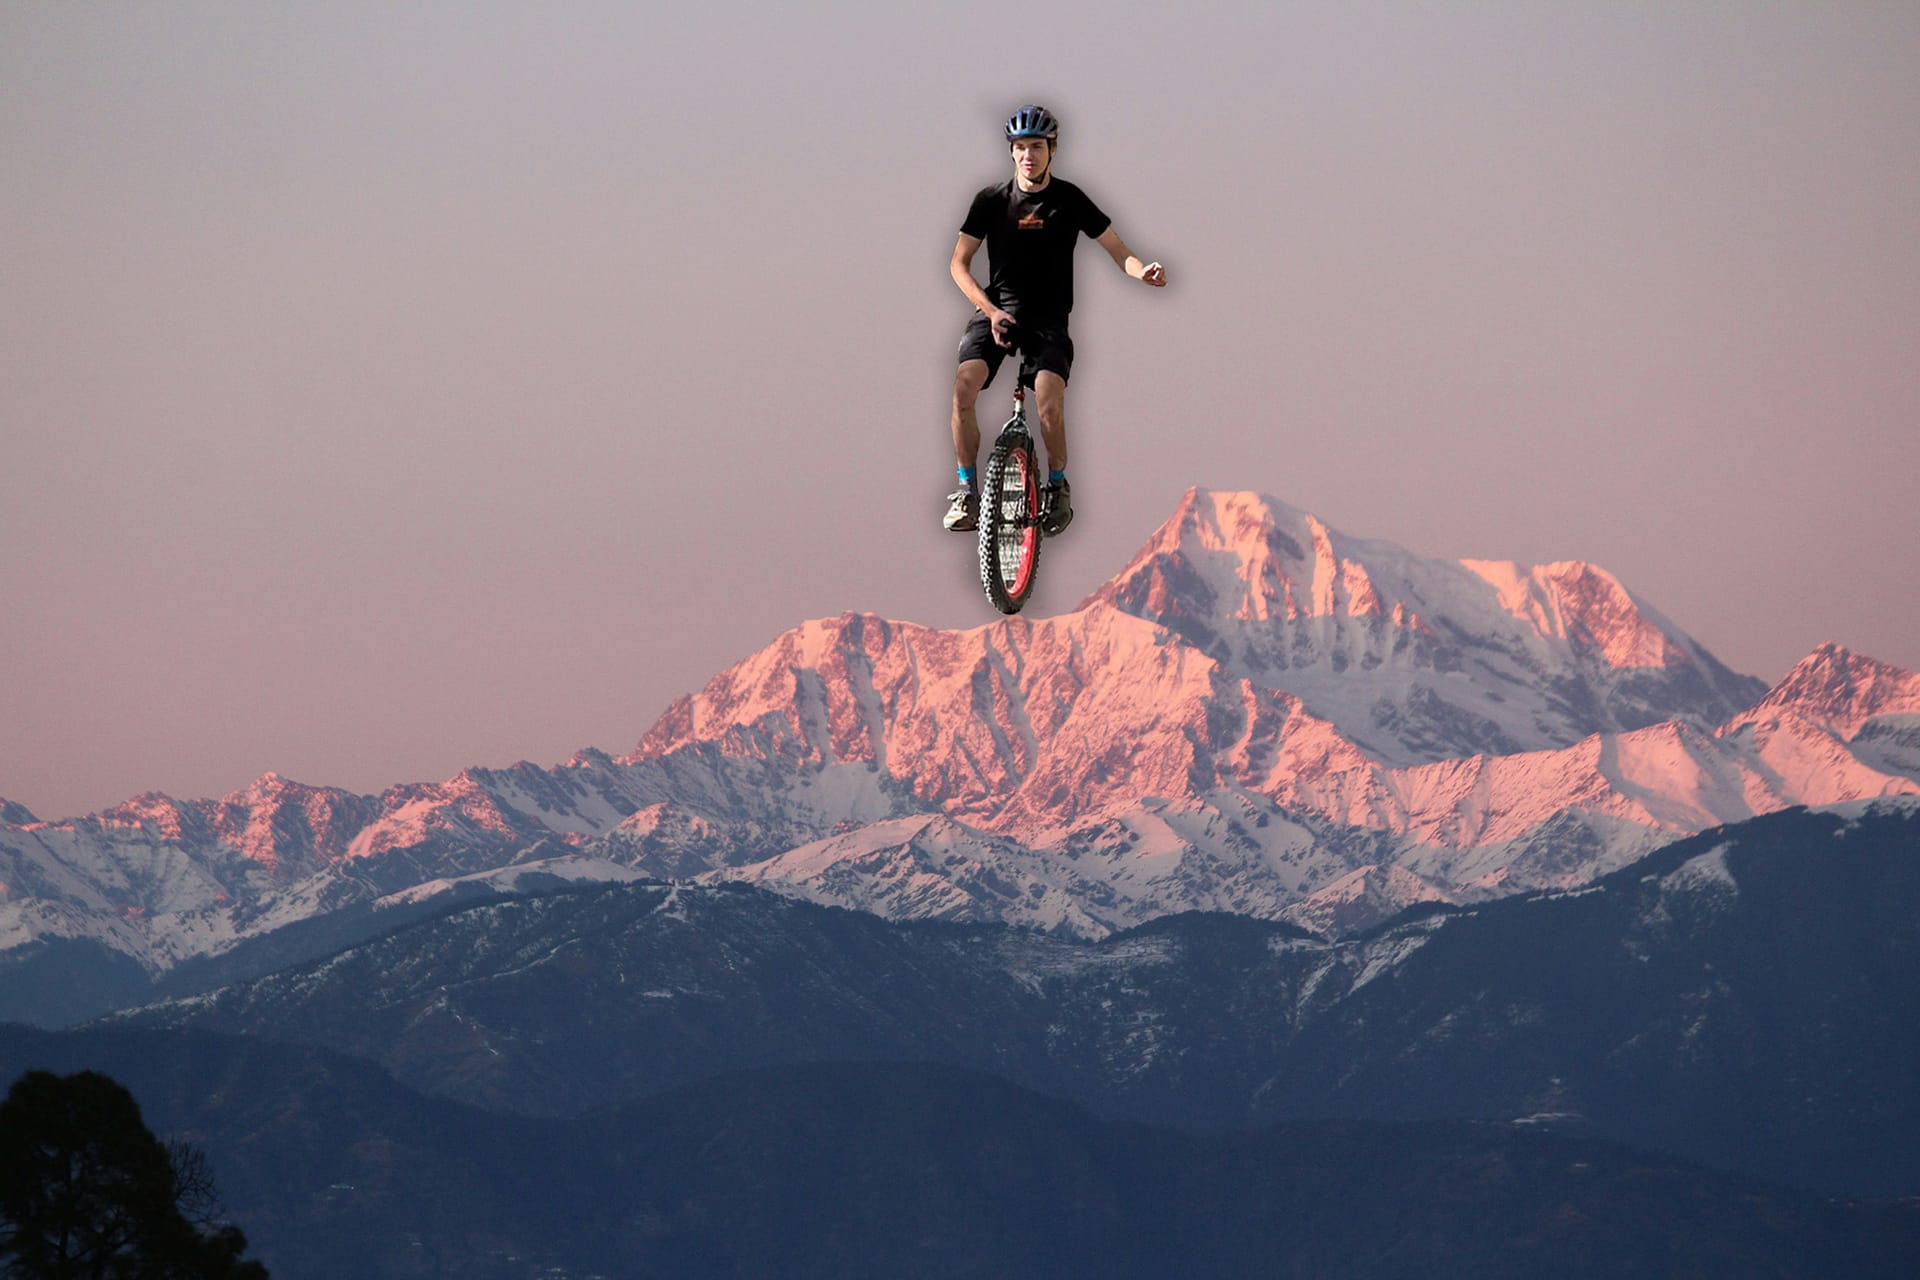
[967,382]
[1050,389]
[1050,394]
[963,512]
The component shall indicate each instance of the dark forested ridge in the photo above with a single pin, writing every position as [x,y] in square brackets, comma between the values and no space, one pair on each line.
[1747,998]
[883,1169]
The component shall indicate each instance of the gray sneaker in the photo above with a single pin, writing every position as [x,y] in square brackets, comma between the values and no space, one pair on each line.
[963,515]
[1056,508]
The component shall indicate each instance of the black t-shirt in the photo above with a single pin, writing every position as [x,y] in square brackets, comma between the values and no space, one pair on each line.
[1030,239]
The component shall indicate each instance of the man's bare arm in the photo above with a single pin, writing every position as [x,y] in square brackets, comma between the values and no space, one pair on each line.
[1150,272]
[963,251]
[962,268]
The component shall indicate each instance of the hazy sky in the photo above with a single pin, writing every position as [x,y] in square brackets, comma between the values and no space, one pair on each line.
[386,389]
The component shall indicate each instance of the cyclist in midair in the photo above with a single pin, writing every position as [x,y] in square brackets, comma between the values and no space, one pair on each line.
[1030,224]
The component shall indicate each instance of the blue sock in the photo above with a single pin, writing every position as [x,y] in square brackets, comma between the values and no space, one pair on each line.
[966,476]
[1056,477]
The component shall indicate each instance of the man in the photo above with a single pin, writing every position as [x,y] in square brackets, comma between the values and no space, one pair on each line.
[1030,225]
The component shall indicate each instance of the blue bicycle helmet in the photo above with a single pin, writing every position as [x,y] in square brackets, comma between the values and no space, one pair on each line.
[1033,122]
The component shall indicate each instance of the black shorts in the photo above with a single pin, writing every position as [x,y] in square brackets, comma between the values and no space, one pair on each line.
[1041,347]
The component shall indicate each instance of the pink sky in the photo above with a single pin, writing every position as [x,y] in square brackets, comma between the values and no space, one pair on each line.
[387,390]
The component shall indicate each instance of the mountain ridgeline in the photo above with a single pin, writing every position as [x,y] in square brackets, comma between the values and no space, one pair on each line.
[1259,716]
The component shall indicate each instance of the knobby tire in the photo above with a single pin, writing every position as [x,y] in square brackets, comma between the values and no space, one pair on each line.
[1010,523]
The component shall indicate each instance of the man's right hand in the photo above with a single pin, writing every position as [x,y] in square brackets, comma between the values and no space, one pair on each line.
[1002,323]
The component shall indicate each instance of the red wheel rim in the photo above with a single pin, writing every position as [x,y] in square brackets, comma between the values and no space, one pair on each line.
[1027,531]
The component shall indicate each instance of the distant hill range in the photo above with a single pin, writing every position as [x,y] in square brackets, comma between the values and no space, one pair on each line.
[1745,998]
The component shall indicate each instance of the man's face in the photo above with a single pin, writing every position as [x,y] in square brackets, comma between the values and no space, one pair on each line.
[1031,156]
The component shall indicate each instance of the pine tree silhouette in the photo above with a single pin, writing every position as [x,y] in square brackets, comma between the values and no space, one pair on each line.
[88,1193]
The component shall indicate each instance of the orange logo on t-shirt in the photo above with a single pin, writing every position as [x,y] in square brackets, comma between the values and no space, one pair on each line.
[1031,222]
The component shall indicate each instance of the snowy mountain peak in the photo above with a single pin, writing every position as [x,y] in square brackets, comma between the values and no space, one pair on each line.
[808,696]
[285,825]
[155,811]
[991,724]
[1247,557]
[1841,691]
[1418,659]
[1586,608]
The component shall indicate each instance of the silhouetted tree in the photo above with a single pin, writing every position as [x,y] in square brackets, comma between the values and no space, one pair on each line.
[88,1193]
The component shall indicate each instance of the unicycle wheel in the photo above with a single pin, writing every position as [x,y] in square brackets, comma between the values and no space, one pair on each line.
[1010,523]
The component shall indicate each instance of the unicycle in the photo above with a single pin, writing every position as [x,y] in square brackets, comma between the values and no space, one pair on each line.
[1010,513]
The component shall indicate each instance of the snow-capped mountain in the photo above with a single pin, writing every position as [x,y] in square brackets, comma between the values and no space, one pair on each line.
[1259,715]
[1262,715]
[1837,724]
[1416,659]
